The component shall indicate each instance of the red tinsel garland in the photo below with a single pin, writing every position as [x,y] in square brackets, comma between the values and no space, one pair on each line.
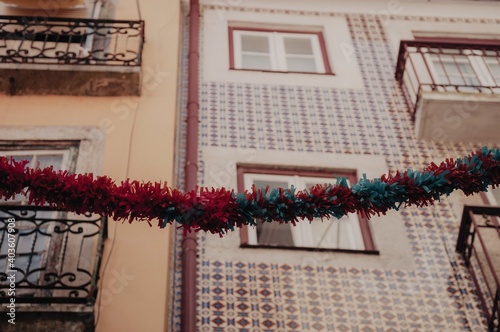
[217,210]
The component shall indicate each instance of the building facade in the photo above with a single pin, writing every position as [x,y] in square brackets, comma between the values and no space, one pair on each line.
[299,93]
[88,87]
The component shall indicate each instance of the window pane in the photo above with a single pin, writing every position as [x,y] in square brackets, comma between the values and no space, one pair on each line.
[455,70]
[326,234]
[272,184]
[301,64]
[294,45]
[468,75]
[255,43]
[494,66]
[22,157]
[252,61]
[54,160]
[44,160]
[272,233]
[334,233]
[329,234]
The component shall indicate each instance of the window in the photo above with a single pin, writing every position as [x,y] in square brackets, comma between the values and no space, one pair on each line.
[351,233]
[281,51]
[37,241]
[454,70]
[462,62]
[465,70]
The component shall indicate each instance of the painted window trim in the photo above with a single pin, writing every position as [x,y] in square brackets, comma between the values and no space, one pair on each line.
[366,233]
[323,55]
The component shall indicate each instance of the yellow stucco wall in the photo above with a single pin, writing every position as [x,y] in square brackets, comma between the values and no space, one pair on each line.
[139,144]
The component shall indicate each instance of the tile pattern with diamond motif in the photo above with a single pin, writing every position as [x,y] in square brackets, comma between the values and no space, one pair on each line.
[270,297]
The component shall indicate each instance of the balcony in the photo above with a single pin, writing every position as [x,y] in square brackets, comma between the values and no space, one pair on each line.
[66,56]
[56,267]
[479,244]
[454,88]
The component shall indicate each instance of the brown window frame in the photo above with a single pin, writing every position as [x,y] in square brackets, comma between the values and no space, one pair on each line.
[350,174]
[321,40]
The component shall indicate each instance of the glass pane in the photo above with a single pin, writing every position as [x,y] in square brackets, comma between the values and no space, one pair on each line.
[451,70]
[29,263]
[272,233]
[54,159]
[294,45]
[301,64]
[259,62]
[255,43]
[22,157]
[20,197]
[44,160]
[3,244]
[272,184]
[50,159]
[468,74]
[25,242]
[35,263]
[455,70]
[325,234]
[465,69]
[494,66]
[335,233]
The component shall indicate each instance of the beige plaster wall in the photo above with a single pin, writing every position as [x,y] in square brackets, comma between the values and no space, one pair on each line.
[137,134]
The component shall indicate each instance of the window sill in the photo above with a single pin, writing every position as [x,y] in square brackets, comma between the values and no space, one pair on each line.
[347,251]
[280,72]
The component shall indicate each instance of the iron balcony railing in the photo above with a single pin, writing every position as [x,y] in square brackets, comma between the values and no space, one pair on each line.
[57,255]
[444,66]
[70,41]
[479,244]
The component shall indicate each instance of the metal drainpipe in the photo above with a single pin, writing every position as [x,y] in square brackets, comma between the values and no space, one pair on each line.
[189,242]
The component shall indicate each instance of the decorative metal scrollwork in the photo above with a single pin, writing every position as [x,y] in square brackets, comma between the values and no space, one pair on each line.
[57,258]
[71,41]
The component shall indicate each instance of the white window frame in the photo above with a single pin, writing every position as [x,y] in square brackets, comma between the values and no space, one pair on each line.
[302,234]
[277,51]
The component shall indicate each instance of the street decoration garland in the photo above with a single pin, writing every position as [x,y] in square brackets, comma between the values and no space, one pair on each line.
[218,210]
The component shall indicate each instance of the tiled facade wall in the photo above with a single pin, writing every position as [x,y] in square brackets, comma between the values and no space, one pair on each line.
[253,296]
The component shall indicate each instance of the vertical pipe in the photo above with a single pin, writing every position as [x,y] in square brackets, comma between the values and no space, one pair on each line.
[189,244]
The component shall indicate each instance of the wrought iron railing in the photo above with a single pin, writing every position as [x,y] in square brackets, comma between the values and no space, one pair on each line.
[71,41]
[479,244]
[444,66]
[57,255]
